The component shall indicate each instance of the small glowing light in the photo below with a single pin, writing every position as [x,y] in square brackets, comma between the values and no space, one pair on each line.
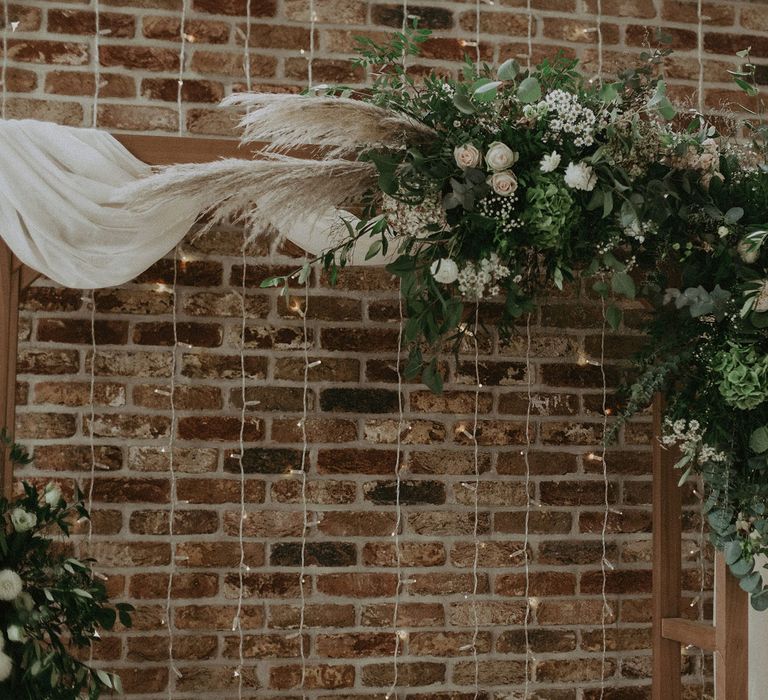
[615,511]
[471,487]
[302,51]
[15,25]
[105,32]
[296,307]
[466,647]
[581,358]
[96,634]
[162,392]
[402,634]
[406,581]
[181,557]
[236,674]
[594,458]
[183,345]
[177,672]
[191,38]
[608,564]
[694,601]
[518,553]
[465,42]
[235,455]
[160,287]
[252,403]
[533,602]
[314,364]
[295,472]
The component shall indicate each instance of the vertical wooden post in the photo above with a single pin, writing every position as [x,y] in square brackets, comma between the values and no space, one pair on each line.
[10,287]
[731,634]
[667,565]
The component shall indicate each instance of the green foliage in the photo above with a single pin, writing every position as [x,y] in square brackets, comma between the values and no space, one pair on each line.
[59,606]
[550,212]
[743,376]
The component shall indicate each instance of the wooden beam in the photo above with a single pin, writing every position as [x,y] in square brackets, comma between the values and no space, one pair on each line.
[10,288]
[667,565]
[168,150]
[732,635]
[699,634]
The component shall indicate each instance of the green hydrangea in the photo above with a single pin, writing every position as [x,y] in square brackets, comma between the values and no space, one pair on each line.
[550,211]
[743,376]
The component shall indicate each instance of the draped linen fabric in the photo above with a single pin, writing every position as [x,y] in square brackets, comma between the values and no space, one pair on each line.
[65,208]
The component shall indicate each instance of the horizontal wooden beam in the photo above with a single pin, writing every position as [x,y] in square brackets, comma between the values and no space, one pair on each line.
[169,150]
[689,632]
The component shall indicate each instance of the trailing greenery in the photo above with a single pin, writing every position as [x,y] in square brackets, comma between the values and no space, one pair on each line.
[537,176]
[51,605]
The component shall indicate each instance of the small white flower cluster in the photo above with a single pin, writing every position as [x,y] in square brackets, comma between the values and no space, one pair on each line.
[502,209]
[477,280]
[687,435]
[640,230]
[570,117]
[408,220]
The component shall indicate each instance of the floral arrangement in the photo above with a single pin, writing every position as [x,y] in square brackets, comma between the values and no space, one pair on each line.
[512,182]
[51,606]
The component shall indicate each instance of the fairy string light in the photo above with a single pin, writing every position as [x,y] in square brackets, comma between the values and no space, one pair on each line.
[700,52]
[171,449]
[182,64]
[91,300]
[526,540]
[238,621]
[604,563]
[398,505]
[529,11]
[4,76]
[477,34]
[599,39]
[311,60]
[476,504]
[96,62]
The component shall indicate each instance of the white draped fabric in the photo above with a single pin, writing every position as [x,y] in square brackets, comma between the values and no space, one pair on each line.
[63,209]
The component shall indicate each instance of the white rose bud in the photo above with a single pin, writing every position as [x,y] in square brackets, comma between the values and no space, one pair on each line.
[445,271]
[22,520]
[723,231]
[500,156]
[503,183]
[6,667]
[11,585]
[52,494]
[747,252]
[549,162]
[580,176]
[467,156]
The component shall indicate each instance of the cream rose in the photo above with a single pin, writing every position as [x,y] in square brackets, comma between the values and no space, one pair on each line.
[747,252]
[6,667]
[580,176]
[22,520]
[503,183]
[467,156]
[500,156]
[445,271]
[11,585]
[52,495]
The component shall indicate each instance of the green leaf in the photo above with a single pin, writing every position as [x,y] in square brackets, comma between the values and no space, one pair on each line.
[529,90]
[733,215]
[508,70]
[758,441]
[431,377]
[622,283]
[81,593]
[760,601]
[748,88]
[272,282]
[613,316]
[374,250]
[733,552]
[742,567]
[463,103]
[609,92]
[751,583]
[558,278]
[104,677]
[487,92]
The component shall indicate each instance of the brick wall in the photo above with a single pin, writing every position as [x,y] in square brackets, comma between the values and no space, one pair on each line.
[353,396]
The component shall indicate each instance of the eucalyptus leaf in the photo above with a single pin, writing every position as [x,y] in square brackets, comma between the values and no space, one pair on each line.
[508,70]
[529,90]
[758,441]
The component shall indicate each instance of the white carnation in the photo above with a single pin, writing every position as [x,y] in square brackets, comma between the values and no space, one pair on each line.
[444,270]
[580,176]
[503,183]
[11,585]
[500,156]
[748,252]
[23,520]
[52,494]
[467,156]
[549,162]
[6,667]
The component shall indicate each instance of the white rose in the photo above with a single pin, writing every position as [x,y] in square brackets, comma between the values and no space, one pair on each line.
[761,302]
[580,176]
[444,271]
[6,667]
[11,585]
[500,156]
[52,494]
[549,162]
[503,183]
[22,520]
[747,252]
[723,231]
[467,156]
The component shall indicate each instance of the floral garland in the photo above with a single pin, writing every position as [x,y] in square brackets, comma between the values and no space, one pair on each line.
[50,604]
[532,178]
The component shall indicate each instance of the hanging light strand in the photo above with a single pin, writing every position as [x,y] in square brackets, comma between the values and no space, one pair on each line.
[700,52]
[238,622]
[171,449]
[477,35]
[398,506]
[702,576]
[247,48]
[526,540]
[599,40]
[4,76]
[476,505]
[92,408]
[304,505]
[182,64]
[96,62]
[604,563]
[311,60]
[529,11]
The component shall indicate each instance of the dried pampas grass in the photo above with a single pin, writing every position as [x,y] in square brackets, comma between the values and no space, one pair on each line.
[278,190]
[341,124]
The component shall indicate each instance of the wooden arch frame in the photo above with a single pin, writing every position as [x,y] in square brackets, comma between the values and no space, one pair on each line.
[728,638]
